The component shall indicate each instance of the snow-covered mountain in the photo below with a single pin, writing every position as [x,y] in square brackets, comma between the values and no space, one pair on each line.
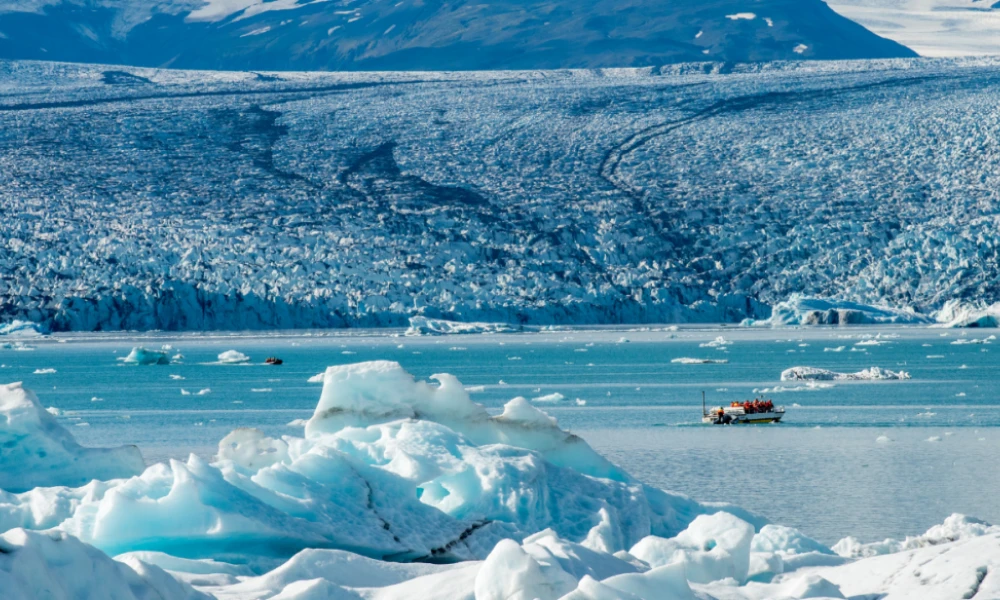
[145,199]
[429,34]
[930,27]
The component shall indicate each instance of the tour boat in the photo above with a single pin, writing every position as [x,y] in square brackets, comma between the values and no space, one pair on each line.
[736,413]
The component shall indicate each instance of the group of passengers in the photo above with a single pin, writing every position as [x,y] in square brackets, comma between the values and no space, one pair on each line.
[755,406]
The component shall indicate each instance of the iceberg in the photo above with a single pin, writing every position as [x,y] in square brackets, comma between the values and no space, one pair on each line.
[142,356]
[22,329]
[965,314]
[390,468]
[425,326]
[36,451]
[807,310]
[815,374]
[699,361]
[406,489]
[233,357]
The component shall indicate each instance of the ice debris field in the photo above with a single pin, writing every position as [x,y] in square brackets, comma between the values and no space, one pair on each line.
[686,193]
[401,488]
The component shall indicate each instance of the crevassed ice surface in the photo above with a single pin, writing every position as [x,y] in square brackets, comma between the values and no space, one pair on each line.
[234,201]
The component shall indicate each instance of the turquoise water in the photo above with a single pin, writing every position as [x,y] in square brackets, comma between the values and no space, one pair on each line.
[822,470]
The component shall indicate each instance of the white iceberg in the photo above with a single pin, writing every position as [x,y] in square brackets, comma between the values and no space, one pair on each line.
[957,313]
[699,361]
[143,356]
[806,310]
[36,451]
[233,357]
[815,374]
[426,326]
[22,329]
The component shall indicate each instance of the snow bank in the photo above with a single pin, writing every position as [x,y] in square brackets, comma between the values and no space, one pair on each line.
[22,329]
[815,374]
[142,356]
[965,314]
[36,451]
[426,326]
[805,310]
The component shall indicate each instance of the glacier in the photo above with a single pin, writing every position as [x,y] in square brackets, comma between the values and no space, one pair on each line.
[702,192]
[405,489]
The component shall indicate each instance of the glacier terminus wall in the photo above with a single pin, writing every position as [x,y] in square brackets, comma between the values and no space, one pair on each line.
[155,199]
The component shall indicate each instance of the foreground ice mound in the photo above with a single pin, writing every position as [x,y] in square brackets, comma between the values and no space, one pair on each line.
[390,468]
[954,528]
[142,356]
[18,328]
[805,310]
[233,357]
[963,314]
[426,326]
[815,374]
[36,451]
[35,566]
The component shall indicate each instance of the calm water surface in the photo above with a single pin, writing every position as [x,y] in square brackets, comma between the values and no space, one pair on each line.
[821,471]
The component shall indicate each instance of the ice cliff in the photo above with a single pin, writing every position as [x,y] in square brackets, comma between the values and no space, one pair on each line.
[694,193]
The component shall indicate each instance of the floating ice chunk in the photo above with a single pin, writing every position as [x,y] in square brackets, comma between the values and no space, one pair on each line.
[883,439]
[54,411]
[473,389]
[425,326]
[317,378]
[233,357]
[581,402]
[22,329]
[804,310]
[37,451]
[700,361]
[955,527]
[748,16]
[44,371]
[143,356]
[964,341]
[934,438]
[962,314]
[297,423]
[800,49]
[261,390]
[554,397]
[719,342]
[815,374]
[177,377]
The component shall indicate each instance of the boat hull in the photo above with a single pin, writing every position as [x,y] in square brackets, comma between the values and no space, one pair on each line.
[744,419]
